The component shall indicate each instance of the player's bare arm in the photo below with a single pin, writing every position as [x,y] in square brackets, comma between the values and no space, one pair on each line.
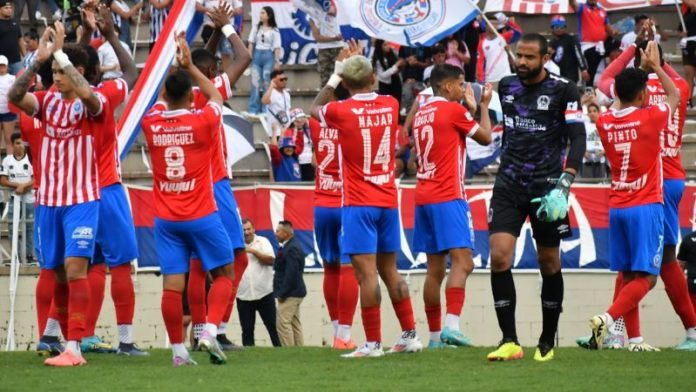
[326,94]
[483,135]
[183,57]
[105,23]
[652,59]
[18,92]
[221,17]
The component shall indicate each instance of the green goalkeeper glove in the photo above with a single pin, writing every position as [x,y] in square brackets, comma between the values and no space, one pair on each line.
[554,205]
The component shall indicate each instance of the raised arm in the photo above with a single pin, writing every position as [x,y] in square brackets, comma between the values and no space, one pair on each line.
[326,94]
[221,16]
[183,57]
[106,27]
[160,4]
[651,56]
[483,135]
[614,68]
[17,94]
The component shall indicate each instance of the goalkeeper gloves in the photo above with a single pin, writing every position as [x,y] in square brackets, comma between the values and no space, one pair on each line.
[554,205]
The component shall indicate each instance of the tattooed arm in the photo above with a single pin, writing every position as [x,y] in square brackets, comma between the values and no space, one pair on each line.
[18,92]
[325,96]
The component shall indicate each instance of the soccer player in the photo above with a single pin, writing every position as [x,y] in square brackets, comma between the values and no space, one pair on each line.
[366,125]
[206,62]
[186,217]
[542,113]
[116,243]
[340,285]
[673,176]
[443,220]
[631,136]
[68,192]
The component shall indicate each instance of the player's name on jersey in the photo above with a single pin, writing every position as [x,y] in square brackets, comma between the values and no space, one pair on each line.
[328,133]
[177,186]
[368,118]
[425,116]
[177,139]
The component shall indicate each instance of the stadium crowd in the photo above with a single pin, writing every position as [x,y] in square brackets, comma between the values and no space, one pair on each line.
[596,101]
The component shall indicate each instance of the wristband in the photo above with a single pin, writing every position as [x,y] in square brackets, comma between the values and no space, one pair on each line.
[334,81]
[564,182]
[61,58]
[228,30]
[338,68]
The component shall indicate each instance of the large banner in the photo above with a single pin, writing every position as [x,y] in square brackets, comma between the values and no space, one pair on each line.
[266,205]
[562,6]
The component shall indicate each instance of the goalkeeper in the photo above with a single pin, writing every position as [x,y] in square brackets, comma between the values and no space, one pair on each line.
[542,120]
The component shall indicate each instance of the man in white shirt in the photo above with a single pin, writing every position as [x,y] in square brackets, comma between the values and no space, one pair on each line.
[630,38]
[327,33]
[255,293]
[16,172]
[278,102]
[108,62]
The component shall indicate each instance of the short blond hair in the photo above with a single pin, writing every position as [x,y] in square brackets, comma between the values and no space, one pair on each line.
[357,72]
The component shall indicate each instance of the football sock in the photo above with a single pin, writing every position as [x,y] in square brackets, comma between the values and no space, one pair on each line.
[211,329]
[372,322]
[52,328]
[74,346]
[173,315]
[632,321]
[434,316]
[630,296]
[179,350]
[196,292]
[454,298]
[618,284]
[678,292]
[331,286]
[60,301]
[343,332]
[551,306]
[219,299]
[334,325]
[691,333]
[693,300]
[435,336]
[452,322]
[240,264]
[505,299]
[96,276]
[404,312]
[222,328]
[78,305]
[228,310]
[123,295]
[636,340]
[348,293]
[45,287]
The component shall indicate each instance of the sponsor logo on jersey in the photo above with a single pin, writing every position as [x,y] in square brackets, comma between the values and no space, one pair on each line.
[83,232]
[358,111]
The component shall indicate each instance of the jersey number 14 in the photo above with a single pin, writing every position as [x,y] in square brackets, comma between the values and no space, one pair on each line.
[383,156]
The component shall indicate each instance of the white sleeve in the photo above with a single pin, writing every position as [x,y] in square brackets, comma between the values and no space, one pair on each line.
[266,247]
[252,34]
[276,39]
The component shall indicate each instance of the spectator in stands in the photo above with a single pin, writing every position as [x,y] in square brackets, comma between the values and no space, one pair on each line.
[286,166]
[402,152]
[288,285]
[255,292]
[493,59]
[439,54]
[630,37]
[11,36]
[108,62]
[159,10]
[387,66]
[18,7]
[224,47]
[8,120]
[300,128]
[16,172]
[417,60]
[471,35]
[593,30]
[264,48]
[457,53]
[122,14]
[31,43]
[688,43]
[567,53]
[53,8]
[327,33]
[594,162]
[277,101]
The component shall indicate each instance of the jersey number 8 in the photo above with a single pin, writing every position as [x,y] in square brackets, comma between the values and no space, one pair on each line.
[174,158]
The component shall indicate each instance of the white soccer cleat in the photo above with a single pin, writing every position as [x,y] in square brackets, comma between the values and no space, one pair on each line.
[599,327]
[408,343]
[365,351]
[640,347]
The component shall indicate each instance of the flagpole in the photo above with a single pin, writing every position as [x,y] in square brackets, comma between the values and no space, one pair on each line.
[137,31]
[681,16]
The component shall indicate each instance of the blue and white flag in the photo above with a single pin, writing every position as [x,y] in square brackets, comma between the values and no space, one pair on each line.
[239,136]
[408,22]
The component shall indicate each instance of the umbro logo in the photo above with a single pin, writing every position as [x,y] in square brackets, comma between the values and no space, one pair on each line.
[358,111]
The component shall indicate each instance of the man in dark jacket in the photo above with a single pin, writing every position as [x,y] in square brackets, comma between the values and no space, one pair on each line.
[567,53]
[288,285]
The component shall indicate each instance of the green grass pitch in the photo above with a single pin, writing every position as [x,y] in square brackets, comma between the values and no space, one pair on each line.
[321,369]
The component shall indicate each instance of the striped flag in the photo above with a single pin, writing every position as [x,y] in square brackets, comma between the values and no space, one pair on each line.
[182,17]
[562,6]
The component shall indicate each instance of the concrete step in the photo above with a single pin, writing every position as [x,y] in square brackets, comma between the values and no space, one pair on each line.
[300,99]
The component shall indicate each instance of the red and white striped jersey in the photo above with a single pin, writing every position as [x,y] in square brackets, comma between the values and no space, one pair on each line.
[115,91]
[68,173]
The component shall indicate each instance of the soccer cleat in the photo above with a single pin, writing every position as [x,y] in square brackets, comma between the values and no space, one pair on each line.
[226,344]
[434,344]
[49,346]
[131,350]
[208,343]
[408,343]
[365,351]
[640,347]
[687,345]
[506,351]
[181,361]
[93,344]
[454,338]
[67,358]
[340,344]
[599,332]
[614,341]
[544,353]
[583,341]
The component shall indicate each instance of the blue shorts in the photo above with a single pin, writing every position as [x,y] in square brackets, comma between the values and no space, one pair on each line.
[116,243]
[370,230]
[673,189]
[327,231]
[229,213]
[636,237]
[37,249]
[7,117]
[64,232]
[176,240]
[443,226]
